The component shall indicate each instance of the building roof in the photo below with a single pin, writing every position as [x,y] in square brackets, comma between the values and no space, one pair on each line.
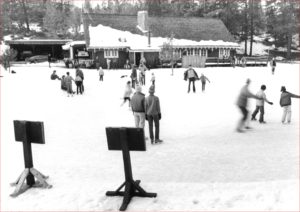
[74,43]
[37,42]
[189,28]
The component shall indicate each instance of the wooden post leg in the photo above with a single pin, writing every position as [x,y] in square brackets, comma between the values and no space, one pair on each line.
[21,186]
[127,196]
[42,183]
[16,182]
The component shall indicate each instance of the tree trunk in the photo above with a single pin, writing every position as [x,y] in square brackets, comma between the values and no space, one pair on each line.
[26,16]
[252,28]
[246,27]
[289,44]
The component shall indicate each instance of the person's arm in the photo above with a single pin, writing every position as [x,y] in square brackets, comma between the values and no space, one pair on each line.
[207,79]
[266,100]
[294,96]
[158,106]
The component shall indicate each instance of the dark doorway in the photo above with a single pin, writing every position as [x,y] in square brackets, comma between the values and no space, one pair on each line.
[137,58]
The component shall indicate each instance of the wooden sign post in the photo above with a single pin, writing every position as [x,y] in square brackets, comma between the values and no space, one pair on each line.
[127,139]
[27,133]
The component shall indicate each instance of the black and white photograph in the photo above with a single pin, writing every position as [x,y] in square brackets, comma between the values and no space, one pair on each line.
[149,105]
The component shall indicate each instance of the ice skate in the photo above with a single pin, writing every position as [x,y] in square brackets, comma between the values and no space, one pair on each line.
[262,122]
[158,141]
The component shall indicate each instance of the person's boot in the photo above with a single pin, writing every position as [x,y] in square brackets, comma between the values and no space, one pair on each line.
[158,141]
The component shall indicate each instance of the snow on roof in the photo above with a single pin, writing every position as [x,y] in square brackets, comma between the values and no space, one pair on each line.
[73,43]
[107,37]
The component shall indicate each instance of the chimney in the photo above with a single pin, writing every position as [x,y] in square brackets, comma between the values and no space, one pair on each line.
[143,24]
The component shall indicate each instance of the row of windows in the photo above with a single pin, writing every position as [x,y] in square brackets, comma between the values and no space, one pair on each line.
[111,54]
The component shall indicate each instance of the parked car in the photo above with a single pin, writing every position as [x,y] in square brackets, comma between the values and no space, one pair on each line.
[39,59]
[168,64]
[279,58]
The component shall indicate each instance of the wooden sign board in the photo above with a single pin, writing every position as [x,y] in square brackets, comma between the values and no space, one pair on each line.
[35,131]
[135,138]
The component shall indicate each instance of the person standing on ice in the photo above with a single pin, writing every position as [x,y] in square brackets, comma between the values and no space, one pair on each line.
[101,73]
[143,68]
[260,105]
[133,76]
[108,60]
[49,60]
[153,114]
[192,75]
[68,80]
[273,65]
[127,93]
[138,108]
[78,82]
[286,103]
[80,73]
[140,78]
[153,79]
[203,81]
[242,104]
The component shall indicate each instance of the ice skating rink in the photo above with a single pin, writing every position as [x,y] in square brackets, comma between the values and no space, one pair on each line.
[202,165]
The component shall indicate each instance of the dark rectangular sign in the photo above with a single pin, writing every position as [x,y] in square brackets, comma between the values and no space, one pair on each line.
[35,131]
[135,138]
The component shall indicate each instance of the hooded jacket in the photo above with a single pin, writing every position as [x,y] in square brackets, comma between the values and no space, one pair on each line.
[285,99]
[138,102]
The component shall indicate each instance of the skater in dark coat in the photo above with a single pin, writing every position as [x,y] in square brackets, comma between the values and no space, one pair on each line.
[153,114]
[260,105]
[80,73]
[49,60]
[68,80]
[203,81]
[273,65]
[242,104]
[63,83]
[286,103]
[133,76]
[54,76]
[192,75]
[78,82]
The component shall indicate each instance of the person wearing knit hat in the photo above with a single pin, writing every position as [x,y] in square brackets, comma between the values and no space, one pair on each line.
[138,108]
[153,114]
[203,79]
[286,103]
[260,105]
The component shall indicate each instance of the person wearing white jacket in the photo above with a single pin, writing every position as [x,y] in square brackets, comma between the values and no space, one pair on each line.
[260,105]
[101,73]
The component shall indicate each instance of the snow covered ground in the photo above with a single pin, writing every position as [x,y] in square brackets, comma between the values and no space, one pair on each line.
[202,165]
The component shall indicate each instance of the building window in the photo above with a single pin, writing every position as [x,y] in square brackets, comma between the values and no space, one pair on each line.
[111,53]
[203,52]
[197,52]
[223,52]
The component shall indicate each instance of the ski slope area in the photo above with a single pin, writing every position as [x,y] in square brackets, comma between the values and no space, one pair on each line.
[202,165]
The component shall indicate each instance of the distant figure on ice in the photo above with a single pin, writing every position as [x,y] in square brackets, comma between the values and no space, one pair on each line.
[127,65]
[63,83]
[141,80]
[115,63]
[153,79]
[192,75]
[101,73]
[49,60]
[78,82]
[242,104]
[153,114]
[138,108]
[260,105]
[273,65]
[54,76]
[127,93]
[108,60]
[143,68]
[80,73]
[68,80]
[286,103]
[243,61]
[203,81]
[133,76]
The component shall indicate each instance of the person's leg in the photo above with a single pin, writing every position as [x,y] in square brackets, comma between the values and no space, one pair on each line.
[77,85]
[156,122]
[189,85]
[285,110]
[142,120]
[203,86]
[150,121]
[80,90]
[82,87]
[153,82]
[255,113]
[262,112]
[289,113]
[136,119]
[194,88]
[243,120]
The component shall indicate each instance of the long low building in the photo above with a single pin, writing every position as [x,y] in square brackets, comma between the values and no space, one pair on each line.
[122,37]
[27,48]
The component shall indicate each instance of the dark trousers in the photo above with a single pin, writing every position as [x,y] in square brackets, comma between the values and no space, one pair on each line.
[273,70]
[133,84]
[262,112]
[245,115]
[192,80]
[82,87]
[153,82]
[115,65]
[155,119]
[144,79]
[203,86]
[101,78]
[49,64]
[79,84]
